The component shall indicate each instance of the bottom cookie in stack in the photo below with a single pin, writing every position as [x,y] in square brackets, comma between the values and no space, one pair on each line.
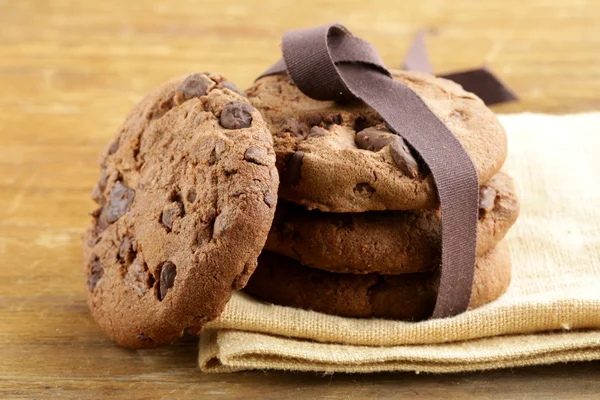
[409,297]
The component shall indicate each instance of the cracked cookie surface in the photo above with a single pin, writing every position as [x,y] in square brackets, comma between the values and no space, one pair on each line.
[186,197]
[409,297]
[341,158]
[387,242]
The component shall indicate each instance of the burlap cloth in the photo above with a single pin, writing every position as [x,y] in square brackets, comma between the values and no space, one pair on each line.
[550,313]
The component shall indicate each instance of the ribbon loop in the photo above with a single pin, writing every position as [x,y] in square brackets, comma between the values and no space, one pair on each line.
[310,56]
[311,66]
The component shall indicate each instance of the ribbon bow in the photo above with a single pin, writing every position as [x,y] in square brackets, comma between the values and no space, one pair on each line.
[328,63]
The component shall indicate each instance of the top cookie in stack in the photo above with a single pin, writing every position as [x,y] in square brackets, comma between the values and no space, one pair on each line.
[357,230]
[341,158]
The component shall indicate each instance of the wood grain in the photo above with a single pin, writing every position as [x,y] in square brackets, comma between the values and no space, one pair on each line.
[69,73]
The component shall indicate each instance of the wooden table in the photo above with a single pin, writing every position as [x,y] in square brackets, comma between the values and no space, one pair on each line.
[70,71]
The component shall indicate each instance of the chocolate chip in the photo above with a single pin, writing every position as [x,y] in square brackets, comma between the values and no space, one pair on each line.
[96,271]
[256,155]
[168,271]
[316,132]
[140,277]
[191,196]
[236,115]
[375,139]
[293,168]
[195,85]
[487,198]
[127,250]
[170,212]
[231,86]
[114,146]
[121,199]
[403,159]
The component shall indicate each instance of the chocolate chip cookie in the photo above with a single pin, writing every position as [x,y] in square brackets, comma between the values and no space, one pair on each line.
[186,197]
[410,297]
[342,158]
[387,242]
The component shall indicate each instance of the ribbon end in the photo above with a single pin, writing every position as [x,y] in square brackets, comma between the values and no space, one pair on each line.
[417,58]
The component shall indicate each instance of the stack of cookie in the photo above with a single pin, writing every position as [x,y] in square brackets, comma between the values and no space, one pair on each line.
[189,193]
[357,229]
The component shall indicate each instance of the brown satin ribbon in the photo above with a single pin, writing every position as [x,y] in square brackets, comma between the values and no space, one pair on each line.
[328,63]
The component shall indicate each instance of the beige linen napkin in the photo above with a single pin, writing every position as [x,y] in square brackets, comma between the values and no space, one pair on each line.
[550,313]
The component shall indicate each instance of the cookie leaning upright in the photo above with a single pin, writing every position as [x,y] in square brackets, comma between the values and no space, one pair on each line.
[341,158]
[186,198]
